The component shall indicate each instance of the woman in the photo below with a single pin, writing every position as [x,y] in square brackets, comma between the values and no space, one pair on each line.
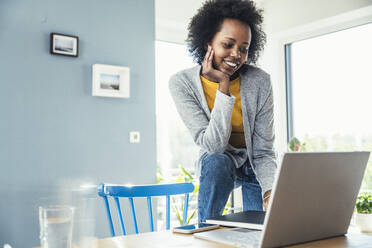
[227,105]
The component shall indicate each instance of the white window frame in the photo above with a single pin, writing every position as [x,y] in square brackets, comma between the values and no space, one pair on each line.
[325,26]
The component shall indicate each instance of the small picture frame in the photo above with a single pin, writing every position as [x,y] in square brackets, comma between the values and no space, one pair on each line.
[111,81]
[62,44]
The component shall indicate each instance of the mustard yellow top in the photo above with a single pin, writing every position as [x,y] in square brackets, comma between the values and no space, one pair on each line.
[237,133]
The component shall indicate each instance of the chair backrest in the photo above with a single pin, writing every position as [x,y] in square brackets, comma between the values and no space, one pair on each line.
[115,191]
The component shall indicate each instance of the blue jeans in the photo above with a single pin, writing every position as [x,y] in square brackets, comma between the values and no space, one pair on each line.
[218,178]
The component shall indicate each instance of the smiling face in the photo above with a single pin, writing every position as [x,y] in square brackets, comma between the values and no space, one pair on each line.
[230,45]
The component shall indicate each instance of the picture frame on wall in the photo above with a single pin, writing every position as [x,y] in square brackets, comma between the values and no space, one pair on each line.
[62,44]
[111,81]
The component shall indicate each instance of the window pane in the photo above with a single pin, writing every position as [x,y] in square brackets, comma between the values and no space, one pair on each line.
[174,143]
[332,92]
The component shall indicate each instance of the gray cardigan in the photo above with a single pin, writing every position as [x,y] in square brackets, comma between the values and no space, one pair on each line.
[211,129]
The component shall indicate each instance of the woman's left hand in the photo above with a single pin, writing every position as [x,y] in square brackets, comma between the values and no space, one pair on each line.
[266,200]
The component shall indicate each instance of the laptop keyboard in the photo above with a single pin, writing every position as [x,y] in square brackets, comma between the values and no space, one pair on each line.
[244,237]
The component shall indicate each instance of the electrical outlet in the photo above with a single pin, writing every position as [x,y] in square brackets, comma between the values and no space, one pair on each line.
[134,137]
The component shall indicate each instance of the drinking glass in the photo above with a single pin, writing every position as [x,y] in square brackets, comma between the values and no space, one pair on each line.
[56,226]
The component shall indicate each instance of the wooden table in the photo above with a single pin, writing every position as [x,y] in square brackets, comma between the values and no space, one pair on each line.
[166,239]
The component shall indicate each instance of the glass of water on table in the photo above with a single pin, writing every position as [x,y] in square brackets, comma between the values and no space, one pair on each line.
[56,226]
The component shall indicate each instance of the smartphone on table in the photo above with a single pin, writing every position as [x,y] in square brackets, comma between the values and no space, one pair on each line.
[199,227]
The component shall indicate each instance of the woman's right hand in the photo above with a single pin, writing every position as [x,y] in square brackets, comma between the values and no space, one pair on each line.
[213,74]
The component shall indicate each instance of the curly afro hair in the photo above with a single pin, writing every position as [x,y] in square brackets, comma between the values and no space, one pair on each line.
[208,20]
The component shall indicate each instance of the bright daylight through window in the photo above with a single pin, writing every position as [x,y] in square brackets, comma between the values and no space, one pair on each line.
[331,90]
[174,143]
[176,151]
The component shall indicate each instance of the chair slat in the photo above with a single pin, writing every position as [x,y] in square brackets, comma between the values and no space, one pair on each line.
[148,191]
[120,215]
[133,214]
[185,205]
[149,207]
[109,216]
[168,212]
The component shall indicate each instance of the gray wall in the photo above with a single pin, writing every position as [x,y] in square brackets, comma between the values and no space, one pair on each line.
[54,135]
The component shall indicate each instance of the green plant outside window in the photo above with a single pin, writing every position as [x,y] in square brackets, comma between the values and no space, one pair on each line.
[364,203]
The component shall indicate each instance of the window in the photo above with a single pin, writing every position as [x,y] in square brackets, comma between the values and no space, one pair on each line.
[174,143]
[329,92]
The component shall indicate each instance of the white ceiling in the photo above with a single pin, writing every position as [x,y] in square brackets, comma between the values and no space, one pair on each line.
[178,11]
[172,18]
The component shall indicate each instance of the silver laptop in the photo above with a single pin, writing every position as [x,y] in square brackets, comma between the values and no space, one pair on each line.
[313,198]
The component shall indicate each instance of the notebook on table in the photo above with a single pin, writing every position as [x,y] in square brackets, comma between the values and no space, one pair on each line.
[313,197]
[246,219]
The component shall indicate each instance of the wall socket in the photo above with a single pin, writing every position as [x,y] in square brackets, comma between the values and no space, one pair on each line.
[134,137]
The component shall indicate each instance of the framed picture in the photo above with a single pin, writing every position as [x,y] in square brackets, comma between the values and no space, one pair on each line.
[110,81]
[63,44]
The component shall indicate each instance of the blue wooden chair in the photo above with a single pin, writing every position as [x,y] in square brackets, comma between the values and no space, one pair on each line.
[148,191]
